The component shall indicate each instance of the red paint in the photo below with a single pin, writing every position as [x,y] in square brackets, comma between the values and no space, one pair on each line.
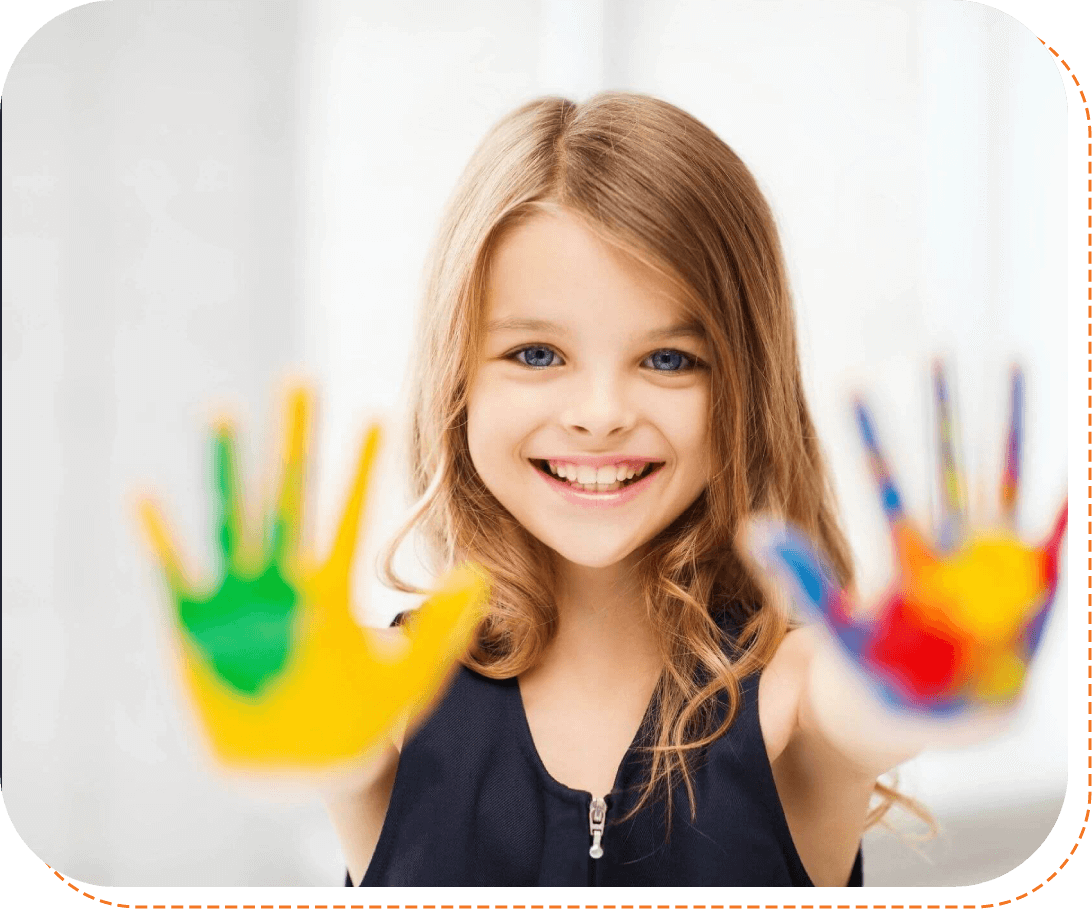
[1049,552]
[921,659]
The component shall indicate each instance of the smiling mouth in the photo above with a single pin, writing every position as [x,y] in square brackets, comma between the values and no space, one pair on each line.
[644,473]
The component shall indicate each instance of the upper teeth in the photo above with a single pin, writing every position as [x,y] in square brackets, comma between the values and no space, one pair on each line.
[586,475]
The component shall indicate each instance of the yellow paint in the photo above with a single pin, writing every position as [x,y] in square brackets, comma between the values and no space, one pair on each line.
[989,588]
[999,676]
[340,692]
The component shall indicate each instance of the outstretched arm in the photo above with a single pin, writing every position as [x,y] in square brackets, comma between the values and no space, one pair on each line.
[943,656]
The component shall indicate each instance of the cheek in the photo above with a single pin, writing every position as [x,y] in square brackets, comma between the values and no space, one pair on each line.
[686,424]
[692,439]
[493,424]
[479,424]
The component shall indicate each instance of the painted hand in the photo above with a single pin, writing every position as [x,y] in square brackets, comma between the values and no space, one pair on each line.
[964,617]
[280,673]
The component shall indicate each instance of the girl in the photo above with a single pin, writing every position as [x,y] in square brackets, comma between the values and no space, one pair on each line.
[606,390]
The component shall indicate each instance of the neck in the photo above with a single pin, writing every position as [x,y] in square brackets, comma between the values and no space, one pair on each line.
[603,627]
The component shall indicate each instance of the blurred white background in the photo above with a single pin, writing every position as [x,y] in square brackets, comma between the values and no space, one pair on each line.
[201,199]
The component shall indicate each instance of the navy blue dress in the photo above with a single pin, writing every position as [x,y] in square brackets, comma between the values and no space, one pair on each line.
[473,804]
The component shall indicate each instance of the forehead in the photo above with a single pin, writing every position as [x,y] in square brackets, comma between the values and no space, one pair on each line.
[552,266]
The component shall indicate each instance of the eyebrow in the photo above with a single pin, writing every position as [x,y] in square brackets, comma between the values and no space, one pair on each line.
[682,329]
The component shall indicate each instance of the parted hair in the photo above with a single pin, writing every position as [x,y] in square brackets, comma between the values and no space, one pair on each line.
[659,185]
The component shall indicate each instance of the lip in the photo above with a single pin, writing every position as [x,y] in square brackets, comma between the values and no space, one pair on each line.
[599,499]
[599,460]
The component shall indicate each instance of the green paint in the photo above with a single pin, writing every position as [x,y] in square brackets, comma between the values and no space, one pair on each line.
[243,627]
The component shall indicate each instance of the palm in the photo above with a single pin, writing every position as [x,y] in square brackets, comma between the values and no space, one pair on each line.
[280,672]
[256,609]
[963,617]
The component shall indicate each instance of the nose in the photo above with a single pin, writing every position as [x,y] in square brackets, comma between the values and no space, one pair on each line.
[599,408]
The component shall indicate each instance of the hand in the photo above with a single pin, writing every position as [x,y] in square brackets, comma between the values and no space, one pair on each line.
[281,674]
[963,618]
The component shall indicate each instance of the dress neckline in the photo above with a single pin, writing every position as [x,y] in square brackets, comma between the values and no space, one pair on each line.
[548,778]
[725,622]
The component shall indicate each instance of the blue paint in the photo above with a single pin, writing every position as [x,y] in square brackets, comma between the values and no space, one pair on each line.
[899,702]
[1034,630]
[805,569]
[864,423]
[892,504]
[854,637]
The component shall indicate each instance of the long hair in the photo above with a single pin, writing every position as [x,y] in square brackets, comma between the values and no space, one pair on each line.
[659,185]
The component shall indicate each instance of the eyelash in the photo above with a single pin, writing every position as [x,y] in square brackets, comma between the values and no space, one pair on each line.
[695,363]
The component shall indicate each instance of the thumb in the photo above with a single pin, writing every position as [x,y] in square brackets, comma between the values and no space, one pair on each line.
[783,555]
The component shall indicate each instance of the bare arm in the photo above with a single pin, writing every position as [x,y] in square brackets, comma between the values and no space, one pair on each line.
[358,808]
[838,709]
[358,814]
[825,793]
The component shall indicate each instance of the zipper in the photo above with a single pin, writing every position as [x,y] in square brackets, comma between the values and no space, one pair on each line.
[597,822]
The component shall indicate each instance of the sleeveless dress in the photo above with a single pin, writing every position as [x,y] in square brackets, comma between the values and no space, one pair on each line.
[473,804]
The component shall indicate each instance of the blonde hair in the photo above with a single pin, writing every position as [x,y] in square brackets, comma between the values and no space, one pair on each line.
[659,185]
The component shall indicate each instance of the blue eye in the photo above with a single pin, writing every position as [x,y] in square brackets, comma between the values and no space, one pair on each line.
[669,356]
[665,356]
[539,352]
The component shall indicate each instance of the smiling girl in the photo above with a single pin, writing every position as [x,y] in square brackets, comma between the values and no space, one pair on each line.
[606,383]
[608,416]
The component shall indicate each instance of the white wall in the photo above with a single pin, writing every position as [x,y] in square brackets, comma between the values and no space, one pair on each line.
[199,199]
[150,219]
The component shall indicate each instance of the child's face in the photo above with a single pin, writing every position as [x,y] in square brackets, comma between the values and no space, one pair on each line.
[606,379]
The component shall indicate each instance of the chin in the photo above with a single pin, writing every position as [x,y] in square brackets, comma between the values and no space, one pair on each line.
[585,562]
[590,556]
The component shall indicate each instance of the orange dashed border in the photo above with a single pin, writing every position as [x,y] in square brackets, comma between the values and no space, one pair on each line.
[995,905]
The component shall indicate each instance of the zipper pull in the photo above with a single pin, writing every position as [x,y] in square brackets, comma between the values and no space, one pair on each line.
[597,821]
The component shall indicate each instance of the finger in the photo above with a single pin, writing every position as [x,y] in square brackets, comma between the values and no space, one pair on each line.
[1049,555]
[953,515]
[228,498]
[789,559]
[348,532]
[1052,547]
[287,515]
[911,549]
[158,536]
[1010,480]
[881,472]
